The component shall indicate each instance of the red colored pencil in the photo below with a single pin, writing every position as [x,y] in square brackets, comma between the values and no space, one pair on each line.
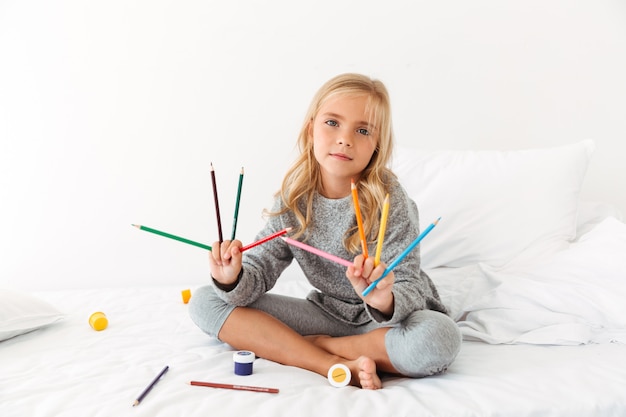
[235,387]
[217,205]
[265,239]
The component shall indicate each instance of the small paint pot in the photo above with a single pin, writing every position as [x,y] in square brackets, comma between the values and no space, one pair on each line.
[339,375]
[243,362]
[186,294]
[98,321]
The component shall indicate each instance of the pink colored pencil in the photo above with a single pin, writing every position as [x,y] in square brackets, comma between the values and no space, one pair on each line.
[317,251]
[235,387]
[265,239]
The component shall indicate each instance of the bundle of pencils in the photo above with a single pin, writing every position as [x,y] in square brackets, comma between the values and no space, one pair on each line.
[217,205]
[381,237]
[219,221]
[379,243]
[400,257]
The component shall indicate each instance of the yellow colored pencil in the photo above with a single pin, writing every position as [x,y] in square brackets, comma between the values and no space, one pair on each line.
[359,219]
[381,230]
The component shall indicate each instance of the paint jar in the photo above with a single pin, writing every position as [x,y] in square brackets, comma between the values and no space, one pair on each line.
[243,362]
[339,375]
[98,321]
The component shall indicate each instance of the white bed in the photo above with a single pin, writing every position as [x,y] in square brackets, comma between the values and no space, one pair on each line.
[70,370]
[542,314]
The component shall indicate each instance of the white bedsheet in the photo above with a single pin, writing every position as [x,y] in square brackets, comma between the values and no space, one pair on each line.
[68,369]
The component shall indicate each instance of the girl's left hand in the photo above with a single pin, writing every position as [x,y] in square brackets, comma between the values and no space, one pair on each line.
[362,273]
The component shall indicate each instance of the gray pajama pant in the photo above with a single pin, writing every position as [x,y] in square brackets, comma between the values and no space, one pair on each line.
[424,344]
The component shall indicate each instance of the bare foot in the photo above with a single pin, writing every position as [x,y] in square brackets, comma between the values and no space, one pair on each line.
[363,369]
[364,373]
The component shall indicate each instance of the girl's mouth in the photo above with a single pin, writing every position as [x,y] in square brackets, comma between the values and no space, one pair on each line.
[341,156]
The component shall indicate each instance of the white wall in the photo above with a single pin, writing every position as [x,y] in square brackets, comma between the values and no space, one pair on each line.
[112,111]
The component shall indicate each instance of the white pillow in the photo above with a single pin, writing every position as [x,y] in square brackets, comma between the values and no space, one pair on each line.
[576,297]
[494,204]
[21,313]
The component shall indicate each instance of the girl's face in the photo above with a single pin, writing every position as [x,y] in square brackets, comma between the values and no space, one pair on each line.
[343,142]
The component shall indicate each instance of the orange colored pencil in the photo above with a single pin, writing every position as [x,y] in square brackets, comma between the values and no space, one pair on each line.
[359,219]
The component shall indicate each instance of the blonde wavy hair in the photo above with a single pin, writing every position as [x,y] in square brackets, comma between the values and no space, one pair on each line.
[303,179]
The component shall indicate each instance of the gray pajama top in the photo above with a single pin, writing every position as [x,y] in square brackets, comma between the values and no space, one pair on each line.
[263,264]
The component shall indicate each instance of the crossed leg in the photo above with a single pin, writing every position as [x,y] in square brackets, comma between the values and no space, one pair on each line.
[252,329]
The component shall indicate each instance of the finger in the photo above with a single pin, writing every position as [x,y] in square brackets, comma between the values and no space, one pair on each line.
[353,277]
[386,282]
[368,268]
[224,246]
[235,250]
[357,266]
[215,255]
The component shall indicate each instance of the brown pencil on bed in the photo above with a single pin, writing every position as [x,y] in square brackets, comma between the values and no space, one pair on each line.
[217,204]
[235,387]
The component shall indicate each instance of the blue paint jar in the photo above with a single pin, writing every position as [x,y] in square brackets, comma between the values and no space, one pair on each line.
[243,362]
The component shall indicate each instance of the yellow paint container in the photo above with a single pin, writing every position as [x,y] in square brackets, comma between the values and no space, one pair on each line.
[186,294]
[98,321]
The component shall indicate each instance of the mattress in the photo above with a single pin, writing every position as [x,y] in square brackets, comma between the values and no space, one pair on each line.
[69,369]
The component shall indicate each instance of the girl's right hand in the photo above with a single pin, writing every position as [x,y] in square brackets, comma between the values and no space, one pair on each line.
[225,261]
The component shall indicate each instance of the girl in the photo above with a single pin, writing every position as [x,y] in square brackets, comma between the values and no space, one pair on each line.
[401,326]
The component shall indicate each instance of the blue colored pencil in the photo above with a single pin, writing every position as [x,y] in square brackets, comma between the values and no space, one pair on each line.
[149,387]
[401,257]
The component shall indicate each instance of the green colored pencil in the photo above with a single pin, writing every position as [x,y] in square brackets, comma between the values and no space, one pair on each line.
[232,236]
[180,239]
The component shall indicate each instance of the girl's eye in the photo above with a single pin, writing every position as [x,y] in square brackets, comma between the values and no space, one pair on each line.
[332,123]
[364,132]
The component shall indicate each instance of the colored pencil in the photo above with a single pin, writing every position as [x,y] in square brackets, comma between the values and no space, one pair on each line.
[149,387]
[236,216]
[235,387]
[170,236]
[359,219]
[317,251]
[401,257]
[381,230]
[217,205]
[265,239]
[207,247]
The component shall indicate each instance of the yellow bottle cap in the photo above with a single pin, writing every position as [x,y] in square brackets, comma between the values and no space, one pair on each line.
[98,321]
[339,375]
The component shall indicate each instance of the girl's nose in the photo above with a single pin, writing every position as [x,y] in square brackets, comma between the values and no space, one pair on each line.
[344,139]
